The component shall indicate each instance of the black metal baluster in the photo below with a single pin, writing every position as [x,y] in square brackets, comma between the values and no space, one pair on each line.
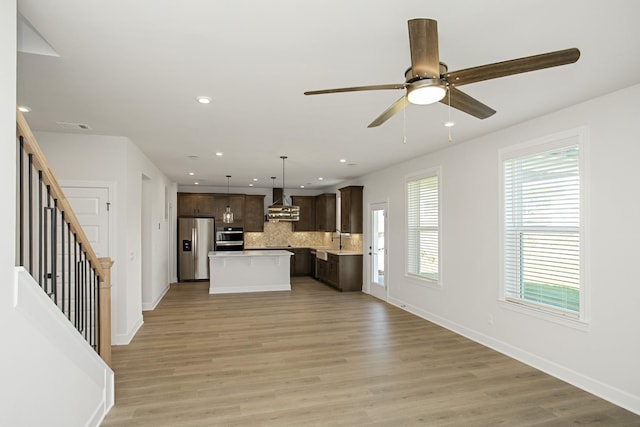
[87,299]
[83,300]
[21,203]
[30,200]
[54,250]
[46,223]
[98,308]
[76,300]
[62,263]
[69,278]
[40,228]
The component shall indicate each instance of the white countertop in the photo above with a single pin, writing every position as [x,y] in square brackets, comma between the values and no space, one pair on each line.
[313,248]
[342,252]
[249,253]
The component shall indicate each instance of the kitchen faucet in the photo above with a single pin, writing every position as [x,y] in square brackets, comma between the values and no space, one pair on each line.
[339,238]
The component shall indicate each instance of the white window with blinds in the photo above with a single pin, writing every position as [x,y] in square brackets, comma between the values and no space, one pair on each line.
[423,226]
[542,237]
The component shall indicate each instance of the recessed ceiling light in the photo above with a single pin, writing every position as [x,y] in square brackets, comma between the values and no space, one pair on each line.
[320,178]
[204,99]
[255,179]
[219,153]
[24,109]
[250,185]
[343,160]
[191,173]
[196,183]
[449,124]
[302,186]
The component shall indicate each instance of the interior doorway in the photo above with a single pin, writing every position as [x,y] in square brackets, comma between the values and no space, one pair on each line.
[377,251]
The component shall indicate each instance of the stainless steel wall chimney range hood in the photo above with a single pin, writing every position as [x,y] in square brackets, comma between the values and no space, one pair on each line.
[279,210]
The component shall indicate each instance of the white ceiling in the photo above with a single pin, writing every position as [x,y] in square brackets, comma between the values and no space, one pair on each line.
[134,68]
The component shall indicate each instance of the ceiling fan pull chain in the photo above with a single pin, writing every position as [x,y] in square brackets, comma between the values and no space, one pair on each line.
[449,122]
[404,126]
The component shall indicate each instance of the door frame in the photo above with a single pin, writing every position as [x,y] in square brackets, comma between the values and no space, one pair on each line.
[371,207]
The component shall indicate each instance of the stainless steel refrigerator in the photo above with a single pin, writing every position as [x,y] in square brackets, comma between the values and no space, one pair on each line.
[196,238]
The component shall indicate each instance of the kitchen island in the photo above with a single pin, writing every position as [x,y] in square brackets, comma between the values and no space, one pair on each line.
[249,271]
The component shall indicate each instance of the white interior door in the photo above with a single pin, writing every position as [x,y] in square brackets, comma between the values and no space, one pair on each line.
[91,206]
[377,251]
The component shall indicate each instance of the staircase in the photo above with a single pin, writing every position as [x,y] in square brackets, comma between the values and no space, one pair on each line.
[61,339]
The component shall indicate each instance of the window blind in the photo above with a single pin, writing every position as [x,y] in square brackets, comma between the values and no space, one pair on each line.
[423,228]
[542,230]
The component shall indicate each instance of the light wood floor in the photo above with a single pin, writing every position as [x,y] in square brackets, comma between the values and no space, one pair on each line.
[316,357]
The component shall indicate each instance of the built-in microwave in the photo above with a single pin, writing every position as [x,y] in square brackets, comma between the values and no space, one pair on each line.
[229,239]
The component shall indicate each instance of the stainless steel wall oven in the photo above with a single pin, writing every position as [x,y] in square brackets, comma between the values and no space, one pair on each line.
[229,239]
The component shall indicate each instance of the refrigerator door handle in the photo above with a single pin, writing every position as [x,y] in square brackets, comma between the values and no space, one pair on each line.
[194,238]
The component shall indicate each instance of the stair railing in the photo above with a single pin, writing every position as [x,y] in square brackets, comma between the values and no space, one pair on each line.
[54,249]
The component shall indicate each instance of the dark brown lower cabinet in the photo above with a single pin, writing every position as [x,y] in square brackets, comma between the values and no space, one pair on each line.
[300,265]
[300,261]
[343,272]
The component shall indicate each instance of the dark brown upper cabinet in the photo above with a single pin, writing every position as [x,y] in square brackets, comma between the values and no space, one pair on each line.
[326,212]
[196,205]
[351,209]
[235,202]
[254,212]
[307,206]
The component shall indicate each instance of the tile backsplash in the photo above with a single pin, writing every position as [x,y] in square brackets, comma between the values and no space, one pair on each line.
[281,234]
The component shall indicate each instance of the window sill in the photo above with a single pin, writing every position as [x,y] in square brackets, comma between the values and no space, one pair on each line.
[423,282]
[559,319]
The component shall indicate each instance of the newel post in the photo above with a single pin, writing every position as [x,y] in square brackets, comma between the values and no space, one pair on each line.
[104,346]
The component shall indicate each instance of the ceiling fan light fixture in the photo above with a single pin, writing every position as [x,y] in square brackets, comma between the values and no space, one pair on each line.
[426,91]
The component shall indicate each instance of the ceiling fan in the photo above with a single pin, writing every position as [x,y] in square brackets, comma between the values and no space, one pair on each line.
[428,79]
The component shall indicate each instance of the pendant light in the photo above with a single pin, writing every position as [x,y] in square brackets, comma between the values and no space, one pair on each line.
[227,217]
[282,212]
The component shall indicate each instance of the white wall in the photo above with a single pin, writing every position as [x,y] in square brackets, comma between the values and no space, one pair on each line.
[7,138]
[75,157]
[42,382]
[603,358]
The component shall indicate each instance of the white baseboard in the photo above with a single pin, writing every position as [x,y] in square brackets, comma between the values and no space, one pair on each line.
[256,288]
[148,306]
[125,339]
[602,390]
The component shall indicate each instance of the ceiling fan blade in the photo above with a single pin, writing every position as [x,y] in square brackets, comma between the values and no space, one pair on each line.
[396,107]
[357,89]
[513,66]
[423,42]
[463,102]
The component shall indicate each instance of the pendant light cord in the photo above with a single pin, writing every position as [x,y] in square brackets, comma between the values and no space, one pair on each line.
[284,199]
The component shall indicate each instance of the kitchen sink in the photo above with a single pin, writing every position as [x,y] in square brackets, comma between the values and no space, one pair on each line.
[321,254]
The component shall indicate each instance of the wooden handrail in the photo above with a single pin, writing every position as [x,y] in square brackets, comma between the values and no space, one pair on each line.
[40,162]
